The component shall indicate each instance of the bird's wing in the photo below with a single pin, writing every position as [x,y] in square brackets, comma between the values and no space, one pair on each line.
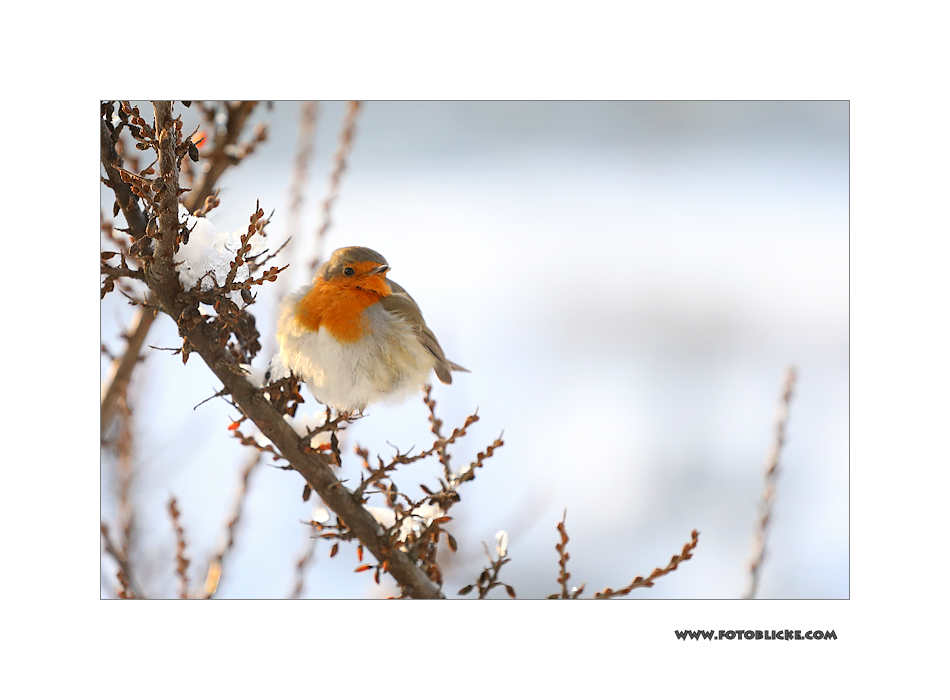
[404,306]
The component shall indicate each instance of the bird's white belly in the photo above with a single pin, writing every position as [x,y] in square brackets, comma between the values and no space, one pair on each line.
[386,362]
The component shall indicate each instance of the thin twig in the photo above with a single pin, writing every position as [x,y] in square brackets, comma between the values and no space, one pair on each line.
[641,582]
[563,556]
[216,565]
[563,575]
[181,561]
[121,372]
[303,563]
[435,424]
[339,166]
[128,587]
[771,477]
[126,473]
[488,578]
[305,142]
[305,147]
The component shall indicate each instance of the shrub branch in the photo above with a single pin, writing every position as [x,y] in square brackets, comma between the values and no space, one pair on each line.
[316,468]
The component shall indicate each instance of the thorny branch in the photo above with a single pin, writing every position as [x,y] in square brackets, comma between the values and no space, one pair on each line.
[412,525]
[226,137]
[647,582]
[122,367]
[406,543]
[488,578]
[638,582]
[563,556]
[771,477]
[435,424]
[204,335]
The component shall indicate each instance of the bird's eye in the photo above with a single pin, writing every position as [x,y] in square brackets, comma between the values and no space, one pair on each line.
[349,271]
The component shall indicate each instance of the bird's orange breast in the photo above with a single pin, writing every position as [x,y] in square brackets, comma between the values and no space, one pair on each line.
[338,309]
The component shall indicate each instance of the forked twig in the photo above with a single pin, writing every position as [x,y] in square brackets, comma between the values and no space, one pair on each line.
[488,578]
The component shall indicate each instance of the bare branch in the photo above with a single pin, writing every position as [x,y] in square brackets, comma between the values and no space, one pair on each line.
[771,477]
[641,582]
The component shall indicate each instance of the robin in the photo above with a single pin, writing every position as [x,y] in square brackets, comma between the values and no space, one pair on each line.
[355,336]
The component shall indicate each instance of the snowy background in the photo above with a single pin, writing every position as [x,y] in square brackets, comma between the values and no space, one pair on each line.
[627,282]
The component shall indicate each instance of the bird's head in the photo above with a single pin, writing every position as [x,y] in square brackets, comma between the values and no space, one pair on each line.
[356,267]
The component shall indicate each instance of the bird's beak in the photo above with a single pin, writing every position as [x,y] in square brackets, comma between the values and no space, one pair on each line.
[382,269]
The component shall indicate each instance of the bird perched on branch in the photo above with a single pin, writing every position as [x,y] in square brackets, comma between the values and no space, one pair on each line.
[355,336]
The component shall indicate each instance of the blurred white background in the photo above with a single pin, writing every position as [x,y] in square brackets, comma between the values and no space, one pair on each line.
[627,282]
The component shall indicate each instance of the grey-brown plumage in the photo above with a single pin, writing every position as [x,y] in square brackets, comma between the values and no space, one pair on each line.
[399,303]
[341,257]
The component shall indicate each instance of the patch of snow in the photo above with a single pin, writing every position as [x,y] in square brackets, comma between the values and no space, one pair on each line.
[303,424]
[210,250]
